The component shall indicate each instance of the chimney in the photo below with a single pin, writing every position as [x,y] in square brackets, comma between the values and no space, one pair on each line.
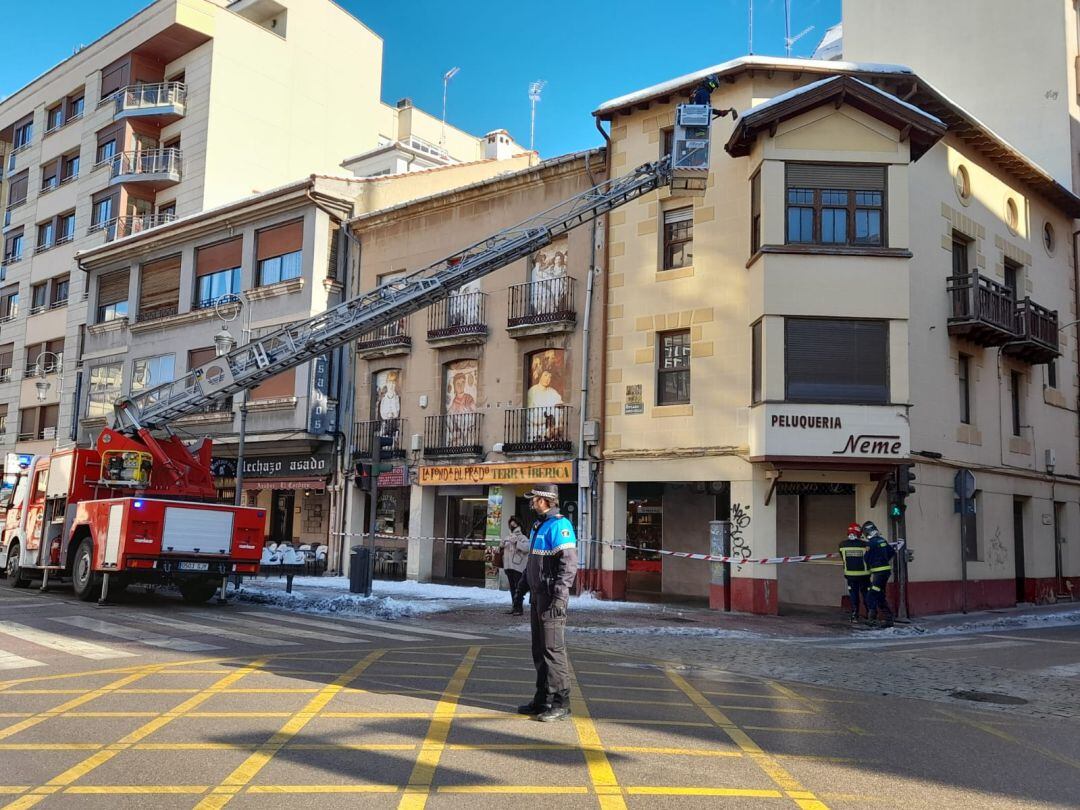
[497,145]
[402,103]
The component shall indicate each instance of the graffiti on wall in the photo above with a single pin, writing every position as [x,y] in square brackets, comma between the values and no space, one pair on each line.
[740,521]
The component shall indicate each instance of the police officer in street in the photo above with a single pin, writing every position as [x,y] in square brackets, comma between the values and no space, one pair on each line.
[853,553]
[550,572]
[879,557]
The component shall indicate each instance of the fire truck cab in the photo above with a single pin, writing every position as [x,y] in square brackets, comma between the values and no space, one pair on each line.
[93,518]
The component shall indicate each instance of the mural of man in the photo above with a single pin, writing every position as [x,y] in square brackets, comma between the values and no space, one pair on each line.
[461,392]
[546,373]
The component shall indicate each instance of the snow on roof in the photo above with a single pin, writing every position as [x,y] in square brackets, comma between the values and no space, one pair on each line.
[798,91]
[831,46]
[672,85]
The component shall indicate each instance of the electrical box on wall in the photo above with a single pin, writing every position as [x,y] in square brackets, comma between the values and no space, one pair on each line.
[417,442]
[592,430]
[1051,459]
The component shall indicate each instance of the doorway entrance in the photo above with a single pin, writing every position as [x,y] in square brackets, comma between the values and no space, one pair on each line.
[1018,550]
[281,516]
[466,519]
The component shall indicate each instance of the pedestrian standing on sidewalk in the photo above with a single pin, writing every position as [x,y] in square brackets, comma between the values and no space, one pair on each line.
[879,557]
[550,573]
[853,553]
[515,549]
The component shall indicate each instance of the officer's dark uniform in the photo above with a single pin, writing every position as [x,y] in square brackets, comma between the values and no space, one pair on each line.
[853,552]
[879,557]
[550,572]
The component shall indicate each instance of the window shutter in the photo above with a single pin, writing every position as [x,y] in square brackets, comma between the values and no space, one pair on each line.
[18,186]
[332,251]
[115,76]
[678,215]
[160,284]
[113,288]
[200,357]
[280,240]
[278,386]
[114,132]
[851,176]
[832,360]
[222,256]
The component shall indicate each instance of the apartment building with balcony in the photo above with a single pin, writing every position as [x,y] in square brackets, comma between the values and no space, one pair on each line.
[871,278]
[480,394]
[186,105]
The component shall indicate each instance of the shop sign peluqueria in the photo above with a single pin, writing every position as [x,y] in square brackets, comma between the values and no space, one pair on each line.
[831,433]
[555,472]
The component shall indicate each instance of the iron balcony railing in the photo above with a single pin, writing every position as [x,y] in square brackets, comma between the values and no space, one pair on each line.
[981,308]
[539,302]
[126,226]
[453,434]
[395,333]
[544,429]
[364,434]
[458,315]
[149,96]
[167,161]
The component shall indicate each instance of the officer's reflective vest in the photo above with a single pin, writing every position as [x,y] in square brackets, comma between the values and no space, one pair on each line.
[853,553]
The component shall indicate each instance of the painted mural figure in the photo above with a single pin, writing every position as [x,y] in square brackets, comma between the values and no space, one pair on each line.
[547,293]
[460,393]
[547,373]
[388,402]
[464,305]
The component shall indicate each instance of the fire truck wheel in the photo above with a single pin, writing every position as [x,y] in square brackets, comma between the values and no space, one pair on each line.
[15,574]
[197,591]
[86,583]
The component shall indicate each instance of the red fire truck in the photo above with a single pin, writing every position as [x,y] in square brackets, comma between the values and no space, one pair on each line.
[141,506]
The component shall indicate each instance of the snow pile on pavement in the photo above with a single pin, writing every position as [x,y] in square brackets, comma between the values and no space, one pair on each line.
[987,623]
[395,600]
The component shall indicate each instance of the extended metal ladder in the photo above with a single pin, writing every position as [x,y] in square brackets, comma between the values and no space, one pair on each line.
[262,358]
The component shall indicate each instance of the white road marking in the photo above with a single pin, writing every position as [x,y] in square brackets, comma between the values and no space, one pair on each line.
[976,646]
[931,643]
[83,649]
[12,661]
[277,629]
[134,634]
[1035,639]
[214,630]
[280,617]
[413,629]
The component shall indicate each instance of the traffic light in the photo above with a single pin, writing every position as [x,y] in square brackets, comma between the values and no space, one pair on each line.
[363,475]
[380,448]
[905,477]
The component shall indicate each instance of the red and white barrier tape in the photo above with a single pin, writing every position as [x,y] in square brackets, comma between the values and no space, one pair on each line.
[686,555]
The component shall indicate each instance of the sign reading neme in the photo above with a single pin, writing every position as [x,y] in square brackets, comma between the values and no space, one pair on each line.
[556,472]
[834,432]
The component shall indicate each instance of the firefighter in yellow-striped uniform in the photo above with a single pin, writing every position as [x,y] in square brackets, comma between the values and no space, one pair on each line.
[879,559]
[853,553]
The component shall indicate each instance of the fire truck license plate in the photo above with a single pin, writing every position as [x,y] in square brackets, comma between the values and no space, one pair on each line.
[194,566]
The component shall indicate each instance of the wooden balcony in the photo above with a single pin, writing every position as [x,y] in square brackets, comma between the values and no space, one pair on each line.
[981,310]
[1036,338]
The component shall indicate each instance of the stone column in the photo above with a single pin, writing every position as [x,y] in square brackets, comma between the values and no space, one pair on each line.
[753,535]
[421,530]
[612,574]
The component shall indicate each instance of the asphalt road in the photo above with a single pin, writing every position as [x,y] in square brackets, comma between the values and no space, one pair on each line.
[151,703]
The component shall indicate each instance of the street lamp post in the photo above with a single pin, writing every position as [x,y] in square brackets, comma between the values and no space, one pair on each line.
[224,343]
[43,385]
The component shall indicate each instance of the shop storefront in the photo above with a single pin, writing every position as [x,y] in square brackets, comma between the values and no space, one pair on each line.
[468,508]
[291,488]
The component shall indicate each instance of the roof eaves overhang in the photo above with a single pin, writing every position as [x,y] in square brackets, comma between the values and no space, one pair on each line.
[191,227]
[922,129]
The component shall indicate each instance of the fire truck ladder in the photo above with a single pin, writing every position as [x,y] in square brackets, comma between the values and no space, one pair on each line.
[250,364]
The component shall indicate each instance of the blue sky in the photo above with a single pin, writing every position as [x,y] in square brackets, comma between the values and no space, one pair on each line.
[587,51]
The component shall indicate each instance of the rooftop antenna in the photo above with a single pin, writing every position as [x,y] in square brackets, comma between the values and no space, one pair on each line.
[451,73]
[790,40]
[535,88]
[751,49]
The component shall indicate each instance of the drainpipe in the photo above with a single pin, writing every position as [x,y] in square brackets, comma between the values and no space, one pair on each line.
[585,506]
[1076,298]
[596,550]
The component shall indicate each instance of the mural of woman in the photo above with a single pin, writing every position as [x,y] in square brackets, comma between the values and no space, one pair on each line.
[460,392]
[388,400]
[547,375]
